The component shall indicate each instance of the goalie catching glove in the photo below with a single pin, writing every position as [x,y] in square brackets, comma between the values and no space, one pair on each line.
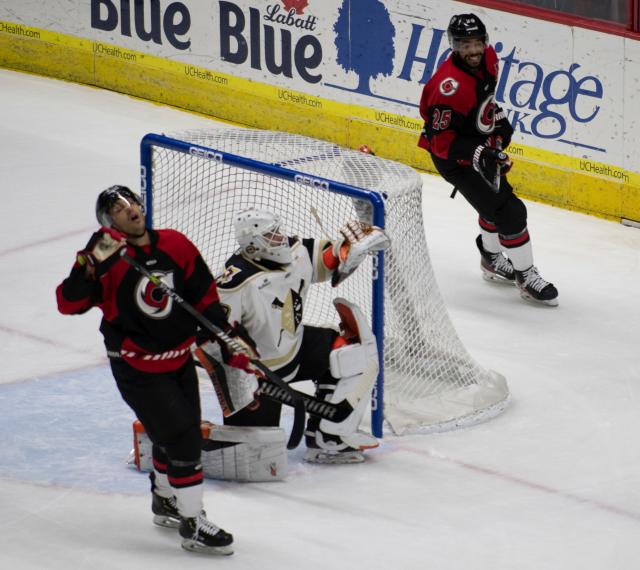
[98,255]
[359,239]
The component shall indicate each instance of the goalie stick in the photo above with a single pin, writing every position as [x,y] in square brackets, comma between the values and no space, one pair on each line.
[293,397]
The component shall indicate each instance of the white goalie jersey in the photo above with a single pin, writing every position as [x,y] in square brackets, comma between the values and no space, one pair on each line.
[268,299]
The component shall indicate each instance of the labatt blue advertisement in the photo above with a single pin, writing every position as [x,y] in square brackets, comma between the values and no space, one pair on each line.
[565,90]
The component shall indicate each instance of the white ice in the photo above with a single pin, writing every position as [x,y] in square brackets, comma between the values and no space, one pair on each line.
[550,484]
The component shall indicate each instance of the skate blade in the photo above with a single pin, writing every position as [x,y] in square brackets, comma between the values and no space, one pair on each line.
[495,278]
[530,299]
[195,546]
[165,522]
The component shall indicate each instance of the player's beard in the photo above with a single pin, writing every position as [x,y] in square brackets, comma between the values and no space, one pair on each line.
[475,63]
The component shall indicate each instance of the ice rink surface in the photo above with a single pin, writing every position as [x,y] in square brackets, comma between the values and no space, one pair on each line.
[552,483]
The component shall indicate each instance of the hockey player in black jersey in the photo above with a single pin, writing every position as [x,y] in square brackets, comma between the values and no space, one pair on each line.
[148,339]
[466,134]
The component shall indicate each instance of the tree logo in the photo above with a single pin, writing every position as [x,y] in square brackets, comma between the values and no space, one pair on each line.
[365,43]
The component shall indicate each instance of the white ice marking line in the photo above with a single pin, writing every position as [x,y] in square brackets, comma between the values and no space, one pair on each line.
[58,373]
[522,482]
[41,339]
[45,240]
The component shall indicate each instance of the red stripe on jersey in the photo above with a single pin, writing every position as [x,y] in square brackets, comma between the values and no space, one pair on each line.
[167,361]
[178,247]
[210,297]
[187,481]
[67,307]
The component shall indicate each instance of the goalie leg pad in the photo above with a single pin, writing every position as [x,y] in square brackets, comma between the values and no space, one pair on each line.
[355,366]
[230,453]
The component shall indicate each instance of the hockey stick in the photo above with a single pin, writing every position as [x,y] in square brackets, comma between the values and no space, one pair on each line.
[275,381]
[496,177]
[314,406]
[494,184]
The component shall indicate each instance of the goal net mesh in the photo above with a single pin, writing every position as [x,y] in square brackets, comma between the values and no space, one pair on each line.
[431,383]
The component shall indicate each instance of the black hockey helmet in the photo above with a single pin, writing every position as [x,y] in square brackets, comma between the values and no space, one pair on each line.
[464,26]
[106,200]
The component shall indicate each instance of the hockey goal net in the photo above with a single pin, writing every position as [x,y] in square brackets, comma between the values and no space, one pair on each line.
[194,181]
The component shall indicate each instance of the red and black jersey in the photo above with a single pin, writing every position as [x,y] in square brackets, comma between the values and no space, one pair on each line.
[142,324]
[458,108]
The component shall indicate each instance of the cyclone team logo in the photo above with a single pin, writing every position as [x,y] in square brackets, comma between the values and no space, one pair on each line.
[152,300]
[485,120]
[448,86]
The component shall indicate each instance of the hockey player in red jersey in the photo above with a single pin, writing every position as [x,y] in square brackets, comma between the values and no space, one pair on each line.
[148,339]
[465,132]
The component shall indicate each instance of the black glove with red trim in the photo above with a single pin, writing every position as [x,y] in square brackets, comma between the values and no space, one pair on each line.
[100,252]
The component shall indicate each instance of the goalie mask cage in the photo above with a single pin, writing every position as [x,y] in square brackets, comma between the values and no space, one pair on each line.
[194,181]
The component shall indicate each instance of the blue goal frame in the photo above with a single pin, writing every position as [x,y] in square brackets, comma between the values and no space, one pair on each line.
[300,177]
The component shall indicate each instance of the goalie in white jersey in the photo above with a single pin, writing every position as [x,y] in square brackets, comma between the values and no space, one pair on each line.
[264,288]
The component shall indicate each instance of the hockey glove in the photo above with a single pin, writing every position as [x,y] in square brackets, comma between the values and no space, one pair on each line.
[491,163]
[98,255]
[235,388]
[359,239]
[242,351]
[496,143]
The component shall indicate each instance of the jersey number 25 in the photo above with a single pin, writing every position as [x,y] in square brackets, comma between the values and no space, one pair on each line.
[441,119]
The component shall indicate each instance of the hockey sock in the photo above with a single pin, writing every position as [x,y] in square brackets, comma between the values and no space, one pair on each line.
[159,480]
[518,249]
[489,233]
[186,479]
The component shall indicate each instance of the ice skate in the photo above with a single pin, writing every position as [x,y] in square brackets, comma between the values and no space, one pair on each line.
[534,288]
[334,450]
[165,511]
[331,457]
[200,535]
[495,266]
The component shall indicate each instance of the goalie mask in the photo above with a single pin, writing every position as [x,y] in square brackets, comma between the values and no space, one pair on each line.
[108,198]
[259,236]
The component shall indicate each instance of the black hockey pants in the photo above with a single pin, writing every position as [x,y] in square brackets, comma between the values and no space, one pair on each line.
[503,208]
[167,404]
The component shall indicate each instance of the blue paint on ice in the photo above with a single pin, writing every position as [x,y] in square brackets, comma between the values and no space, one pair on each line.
[72,430]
